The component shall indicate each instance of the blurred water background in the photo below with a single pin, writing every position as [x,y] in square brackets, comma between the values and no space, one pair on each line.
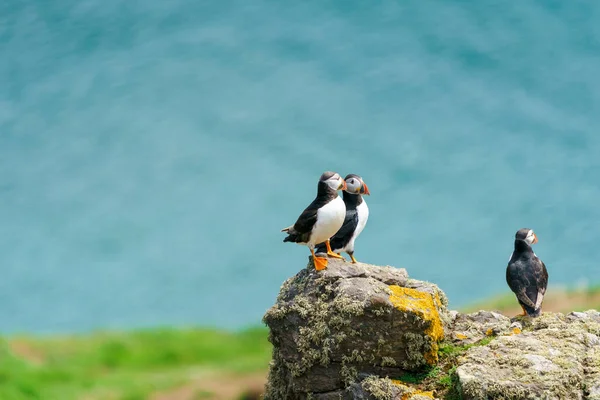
[151,151]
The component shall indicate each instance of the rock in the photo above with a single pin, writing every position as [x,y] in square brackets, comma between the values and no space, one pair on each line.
[590,315]
[516,327]
[373,388]
[329,326]
[471,328]
[342,333]
[558,359]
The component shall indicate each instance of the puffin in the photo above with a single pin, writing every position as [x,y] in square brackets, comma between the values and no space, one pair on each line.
[526,274]
[321,219]
[357,214]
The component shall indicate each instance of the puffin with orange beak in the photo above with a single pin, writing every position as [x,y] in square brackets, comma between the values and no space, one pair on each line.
[357,214]
[321,219]
[526,274]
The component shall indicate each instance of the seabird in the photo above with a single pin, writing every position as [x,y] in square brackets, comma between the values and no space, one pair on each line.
[321,219]
[526,274]
[357,214]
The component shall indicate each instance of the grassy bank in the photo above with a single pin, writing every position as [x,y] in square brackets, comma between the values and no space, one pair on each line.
[158,364]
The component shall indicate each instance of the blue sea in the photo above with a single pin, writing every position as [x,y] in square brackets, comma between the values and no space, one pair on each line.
[151,151]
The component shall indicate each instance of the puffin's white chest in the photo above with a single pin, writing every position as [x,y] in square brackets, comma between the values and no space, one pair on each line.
[362,212]
[363,215]
[330,218]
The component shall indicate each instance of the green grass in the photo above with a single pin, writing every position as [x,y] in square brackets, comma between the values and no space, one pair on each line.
[127,366]
[449,349]
[415,378]
[442,377]
[446,379]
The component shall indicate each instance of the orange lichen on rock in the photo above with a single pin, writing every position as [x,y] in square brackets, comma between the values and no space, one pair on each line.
[408,392]
[425,305]
[410,396]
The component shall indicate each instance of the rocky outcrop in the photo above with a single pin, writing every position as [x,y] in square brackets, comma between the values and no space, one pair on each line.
[329,326]
[555,357]
[359,331]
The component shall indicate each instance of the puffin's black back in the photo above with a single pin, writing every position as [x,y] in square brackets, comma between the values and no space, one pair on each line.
[526,276]
[300,232]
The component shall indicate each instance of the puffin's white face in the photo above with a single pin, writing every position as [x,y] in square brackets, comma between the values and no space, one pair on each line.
[531,238]
[356,185]
[336,182]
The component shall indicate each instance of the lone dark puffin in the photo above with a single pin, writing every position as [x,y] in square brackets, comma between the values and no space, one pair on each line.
[526,274]
[357,214]
[321,219]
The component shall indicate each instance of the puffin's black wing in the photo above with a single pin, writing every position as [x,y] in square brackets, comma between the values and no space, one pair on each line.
[300,231]
[542,281]
[344,234]
[522,281]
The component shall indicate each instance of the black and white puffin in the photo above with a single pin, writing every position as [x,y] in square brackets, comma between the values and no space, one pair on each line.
[526,274]
[321,219]
[357,214]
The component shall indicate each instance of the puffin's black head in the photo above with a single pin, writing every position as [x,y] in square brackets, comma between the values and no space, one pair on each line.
[527,235]
[356,185]
[333,180]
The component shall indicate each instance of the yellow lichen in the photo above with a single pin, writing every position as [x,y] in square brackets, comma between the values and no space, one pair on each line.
[408,392]
[489,332]
[423,394]
[516,331]
[425,305]
[460,336]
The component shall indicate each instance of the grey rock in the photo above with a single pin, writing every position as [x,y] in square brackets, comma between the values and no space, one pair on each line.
[374,388]
[516,325]
[590,315]
[339,333]
[335,395]
[558,359]
[471,328]
[328,327]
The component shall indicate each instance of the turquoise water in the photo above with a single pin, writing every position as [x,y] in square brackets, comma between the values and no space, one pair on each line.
[150,152]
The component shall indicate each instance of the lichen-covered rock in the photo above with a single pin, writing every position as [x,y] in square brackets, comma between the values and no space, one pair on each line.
[328,326]
[374,388]
[471,328]
[557,357]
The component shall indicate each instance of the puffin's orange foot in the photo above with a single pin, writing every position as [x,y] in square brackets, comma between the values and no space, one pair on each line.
[353,259]
[320,263]
[523,314]
[335,255]
[330,252]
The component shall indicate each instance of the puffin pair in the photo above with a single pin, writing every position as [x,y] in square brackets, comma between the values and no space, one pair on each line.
[330,219]
[526,274]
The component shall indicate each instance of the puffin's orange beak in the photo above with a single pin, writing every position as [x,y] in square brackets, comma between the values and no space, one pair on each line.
[343,185]
[535,239]
[364,189]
